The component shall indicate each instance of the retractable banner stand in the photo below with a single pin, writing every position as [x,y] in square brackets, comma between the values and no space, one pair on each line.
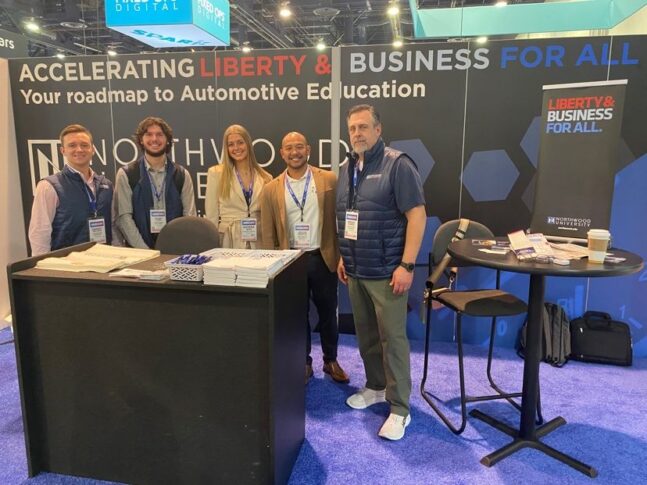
[578,157]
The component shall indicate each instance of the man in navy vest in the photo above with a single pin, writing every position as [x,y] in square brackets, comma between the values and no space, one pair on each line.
[381,219]
[74,205]
[151,191]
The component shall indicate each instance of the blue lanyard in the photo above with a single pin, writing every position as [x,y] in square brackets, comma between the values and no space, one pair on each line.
[247,193]
[92,198]
[353,201]
[158,194]
[302,205]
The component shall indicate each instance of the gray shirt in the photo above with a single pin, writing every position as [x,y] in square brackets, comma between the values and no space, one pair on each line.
[123,202]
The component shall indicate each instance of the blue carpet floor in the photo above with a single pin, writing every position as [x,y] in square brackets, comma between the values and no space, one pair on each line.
[604,406]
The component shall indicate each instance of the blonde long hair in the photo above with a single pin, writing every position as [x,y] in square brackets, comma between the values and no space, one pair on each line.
[228,164]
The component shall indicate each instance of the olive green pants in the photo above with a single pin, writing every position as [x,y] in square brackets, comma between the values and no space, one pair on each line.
[381,326]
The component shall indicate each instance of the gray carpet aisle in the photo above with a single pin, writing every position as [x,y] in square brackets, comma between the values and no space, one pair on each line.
[603,405]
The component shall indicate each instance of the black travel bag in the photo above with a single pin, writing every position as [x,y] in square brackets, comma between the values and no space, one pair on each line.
[595,337]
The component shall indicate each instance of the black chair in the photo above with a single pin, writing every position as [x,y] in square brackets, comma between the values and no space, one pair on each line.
[188,234]
[479,303]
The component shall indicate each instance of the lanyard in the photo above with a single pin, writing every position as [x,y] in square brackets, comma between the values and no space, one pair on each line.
[302,205]
[353,188]
[158,194]
[92,198]
[247,193]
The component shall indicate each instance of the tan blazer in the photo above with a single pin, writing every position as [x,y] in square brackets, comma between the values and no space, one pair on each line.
[274,216]
[227,213]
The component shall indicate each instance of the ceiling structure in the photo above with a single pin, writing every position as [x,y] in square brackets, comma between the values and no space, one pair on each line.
[78,26]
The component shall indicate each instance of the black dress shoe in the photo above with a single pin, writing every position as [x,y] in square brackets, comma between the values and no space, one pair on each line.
[334,370]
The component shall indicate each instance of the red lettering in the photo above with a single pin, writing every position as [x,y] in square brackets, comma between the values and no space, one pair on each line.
[247,66]
[263,65]
[297,63]
[280,60]
[229,66]
[203,68]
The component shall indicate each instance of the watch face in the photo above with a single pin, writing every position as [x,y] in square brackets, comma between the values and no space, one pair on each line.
[407,266]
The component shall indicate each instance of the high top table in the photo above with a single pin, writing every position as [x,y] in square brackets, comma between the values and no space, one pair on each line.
[160,382]
[528,434]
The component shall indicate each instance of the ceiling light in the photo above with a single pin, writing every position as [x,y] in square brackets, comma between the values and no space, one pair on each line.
[246,48]
[32,26]
[285,11]
[60,55]
[321,45]
[393,10]
[397,43]
[481,40]
[111,52]
[501,3]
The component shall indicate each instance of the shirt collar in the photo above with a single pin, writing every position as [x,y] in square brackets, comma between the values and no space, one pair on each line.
[73,170]
[305,174]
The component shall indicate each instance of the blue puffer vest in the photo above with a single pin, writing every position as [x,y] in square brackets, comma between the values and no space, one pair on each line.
[70,224]
[382,227]
[143,198]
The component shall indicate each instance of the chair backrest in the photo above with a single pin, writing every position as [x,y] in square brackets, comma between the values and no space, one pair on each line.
[188,234]
[445,233]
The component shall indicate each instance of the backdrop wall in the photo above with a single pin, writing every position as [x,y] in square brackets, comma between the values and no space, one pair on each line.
[12,226]
[468,114]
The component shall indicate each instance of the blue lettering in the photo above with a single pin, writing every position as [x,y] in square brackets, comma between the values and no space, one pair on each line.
[533,50]
[626,61]
[587,55]
[508,54]
[554,55]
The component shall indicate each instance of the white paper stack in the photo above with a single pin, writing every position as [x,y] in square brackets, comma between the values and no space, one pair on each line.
[244,267]
[99,259]
[220,272]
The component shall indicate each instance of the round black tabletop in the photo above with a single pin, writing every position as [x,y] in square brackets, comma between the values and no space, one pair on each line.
[468,252]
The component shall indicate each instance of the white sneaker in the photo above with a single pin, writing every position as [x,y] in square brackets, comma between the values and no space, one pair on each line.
[366,397]
[393,427]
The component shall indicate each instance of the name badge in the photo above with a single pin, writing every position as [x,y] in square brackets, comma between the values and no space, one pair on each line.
[158,220]
[248,229]
[352,221]
[97,230]
[302,236]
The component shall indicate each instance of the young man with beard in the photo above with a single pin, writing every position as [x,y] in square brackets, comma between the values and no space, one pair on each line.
[154,190]
[74,205]
[298,211]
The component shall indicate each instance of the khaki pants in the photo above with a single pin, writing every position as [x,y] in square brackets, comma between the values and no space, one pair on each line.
[380,324]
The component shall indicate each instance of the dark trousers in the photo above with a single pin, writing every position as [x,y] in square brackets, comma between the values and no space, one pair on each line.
[322,288]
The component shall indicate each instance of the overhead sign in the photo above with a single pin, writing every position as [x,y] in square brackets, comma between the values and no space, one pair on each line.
[171,23]
[12,45]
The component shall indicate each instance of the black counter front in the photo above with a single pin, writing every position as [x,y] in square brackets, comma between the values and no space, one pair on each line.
[160,382]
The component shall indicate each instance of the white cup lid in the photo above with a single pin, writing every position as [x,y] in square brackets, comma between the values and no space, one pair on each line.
[599,233]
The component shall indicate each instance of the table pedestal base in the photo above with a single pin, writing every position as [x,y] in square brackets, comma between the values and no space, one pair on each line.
[519,443]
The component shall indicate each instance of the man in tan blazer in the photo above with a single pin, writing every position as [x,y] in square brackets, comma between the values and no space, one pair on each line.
[298,211]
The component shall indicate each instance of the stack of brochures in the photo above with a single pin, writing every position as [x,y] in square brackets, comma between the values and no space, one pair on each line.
[248,268]
[99,259]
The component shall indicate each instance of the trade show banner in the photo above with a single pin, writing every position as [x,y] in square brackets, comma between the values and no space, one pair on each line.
[468,114]
[578,157]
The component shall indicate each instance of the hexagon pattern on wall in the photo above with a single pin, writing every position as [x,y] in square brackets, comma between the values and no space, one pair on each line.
[530,141]
[489,175]
[419,154]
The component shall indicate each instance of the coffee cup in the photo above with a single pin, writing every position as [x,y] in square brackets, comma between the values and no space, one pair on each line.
[598,242]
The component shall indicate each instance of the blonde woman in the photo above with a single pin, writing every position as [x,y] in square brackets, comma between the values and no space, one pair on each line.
[234,192]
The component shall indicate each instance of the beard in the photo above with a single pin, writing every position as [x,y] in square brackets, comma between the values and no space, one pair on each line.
[360,147]
[157,153]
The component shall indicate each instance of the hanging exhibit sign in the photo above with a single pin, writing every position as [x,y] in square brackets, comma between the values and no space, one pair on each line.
[171,23]
[578,157]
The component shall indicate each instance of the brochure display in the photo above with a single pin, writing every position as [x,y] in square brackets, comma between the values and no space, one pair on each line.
[160,381]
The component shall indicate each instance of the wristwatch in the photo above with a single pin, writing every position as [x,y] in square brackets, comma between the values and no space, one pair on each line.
[408,266]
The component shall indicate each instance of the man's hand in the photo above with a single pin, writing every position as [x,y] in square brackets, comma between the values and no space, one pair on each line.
[401,280]
[341,272]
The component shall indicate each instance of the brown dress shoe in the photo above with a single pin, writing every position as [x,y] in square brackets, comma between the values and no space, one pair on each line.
[309,372]
[336,372]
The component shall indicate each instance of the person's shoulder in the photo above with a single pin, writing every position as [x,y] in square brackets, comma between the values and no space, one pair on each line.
[328,175]
[215,169]
[104,181]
